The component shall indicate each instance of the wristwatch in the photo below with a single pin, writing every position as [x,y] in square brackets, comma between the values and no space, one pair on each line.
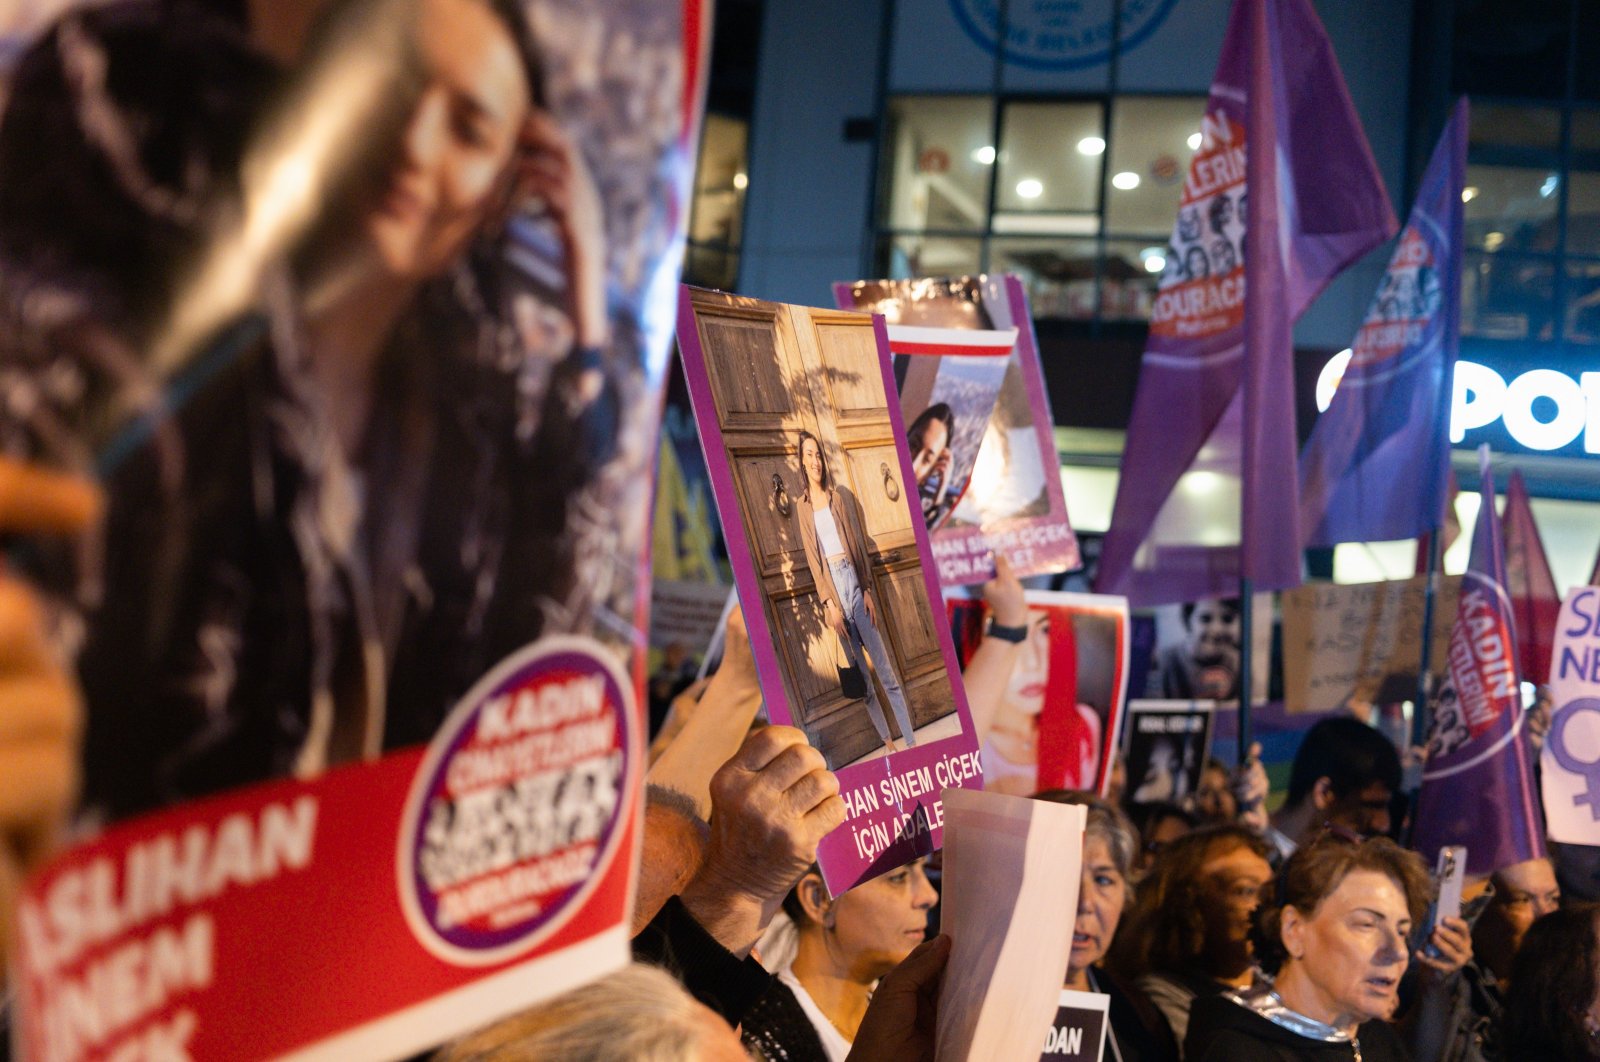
[1008,634]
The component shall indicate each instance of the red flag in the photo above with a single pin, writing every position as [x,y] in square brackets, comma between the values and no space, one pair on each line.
[1535,602]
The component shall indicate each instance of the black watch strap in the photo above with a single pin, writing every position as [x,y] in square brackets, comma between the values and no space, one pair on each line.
[1008,634]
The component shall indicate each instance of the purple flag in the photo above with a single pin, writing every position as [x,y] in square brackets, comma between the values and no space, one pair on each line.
[1212,435]
[1375,466]
[1477,788]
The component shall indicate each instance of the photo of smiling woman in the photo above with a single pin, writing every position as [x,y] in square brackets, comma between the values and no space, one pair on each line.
[393,478]
[933,463]
[830,531]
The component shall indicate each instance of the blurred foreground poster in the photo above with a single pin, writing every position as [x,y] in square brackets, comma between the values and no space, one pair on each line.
[1015,504]
[359,311]
[831,558]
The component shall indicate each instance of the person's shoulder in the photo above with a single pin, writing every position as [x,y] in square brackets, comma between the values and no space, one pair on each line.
[1163,987]
[777,1027]
[1215,1020]
[1380,1042]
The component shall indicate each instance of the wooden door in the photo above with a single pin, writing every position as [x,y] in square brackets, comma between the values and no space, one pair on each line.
[776,370]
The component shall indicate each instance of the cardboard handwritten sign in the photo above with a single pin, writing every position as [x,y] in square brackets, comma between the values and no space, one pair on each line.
[1360,641]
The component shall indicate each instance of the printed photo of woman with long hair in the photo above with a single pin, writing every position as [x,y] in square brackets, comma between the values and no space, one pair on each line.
[830,524]
[1054,726]
[401,456]
[933,462]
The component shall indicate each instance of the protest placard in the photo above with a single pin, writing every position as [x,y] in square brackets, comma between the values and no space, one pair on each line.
[360,636]
[1058,722]
[1570,760]
[1360,643]
[806,448]
[1079,1031]
[1016,505]
[1009,903]
[1166,749]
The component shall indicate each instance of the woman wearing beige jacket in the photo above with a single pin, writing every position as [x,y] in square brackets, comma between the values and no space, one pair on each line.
[836,553]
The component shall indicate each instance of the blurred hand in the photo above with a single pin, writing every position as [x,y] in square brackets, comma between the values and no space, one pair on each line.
[738,666]
[551,168]
[901,1019]
[1454,940]
[771,805]
[1003,594]
[703,732]
[41,711]
[1250,788]
[872,607]
[833,615]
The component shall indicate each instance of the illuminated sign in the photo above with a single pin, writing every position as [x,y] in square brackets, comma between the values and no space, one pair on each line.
[1540,409]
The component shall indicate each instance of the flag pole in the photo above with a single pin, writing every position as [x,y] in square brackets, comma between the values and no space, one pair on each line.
[1420,715]
[1246,637]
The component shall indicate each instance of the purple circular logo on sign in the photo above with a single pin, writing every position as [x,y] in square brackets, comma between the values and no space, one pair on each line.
[513,815]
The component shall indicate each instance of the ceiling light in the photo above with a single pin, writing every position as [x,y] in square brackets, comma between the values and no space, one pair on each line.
[1028,188]
[984,156]
[1194,141]
[1091,145]
[741,181]
[1468,194]
[1127,180]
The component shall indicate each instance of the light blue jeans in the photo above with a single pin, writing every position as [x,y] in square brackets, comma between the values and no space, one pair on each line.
[863,637]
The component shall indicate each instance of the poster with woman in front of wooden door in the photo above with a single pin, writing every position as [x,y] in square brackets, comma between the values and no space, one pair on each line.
[830,552]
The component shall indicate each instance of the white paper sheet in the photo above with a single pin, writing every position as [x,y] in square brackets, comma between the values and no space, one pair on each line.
[1010,898]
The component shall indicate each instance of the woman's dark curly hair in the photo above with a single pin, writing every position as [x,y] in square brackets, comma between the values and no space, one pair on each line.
[1317,869]
[1553,985]
[1166,929]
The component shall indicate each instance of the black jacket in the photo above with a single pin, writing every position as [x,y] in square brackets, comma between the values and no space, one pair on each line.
[1221,1030]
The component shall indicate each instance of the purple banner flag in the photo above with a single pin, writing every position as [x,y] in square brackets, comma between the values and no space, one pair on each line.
[1375,466]
[1212,437]
[1477,787]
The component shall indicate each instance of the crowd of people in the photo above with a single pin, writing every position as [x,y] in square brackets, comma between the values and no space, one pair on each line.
[1218,932]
